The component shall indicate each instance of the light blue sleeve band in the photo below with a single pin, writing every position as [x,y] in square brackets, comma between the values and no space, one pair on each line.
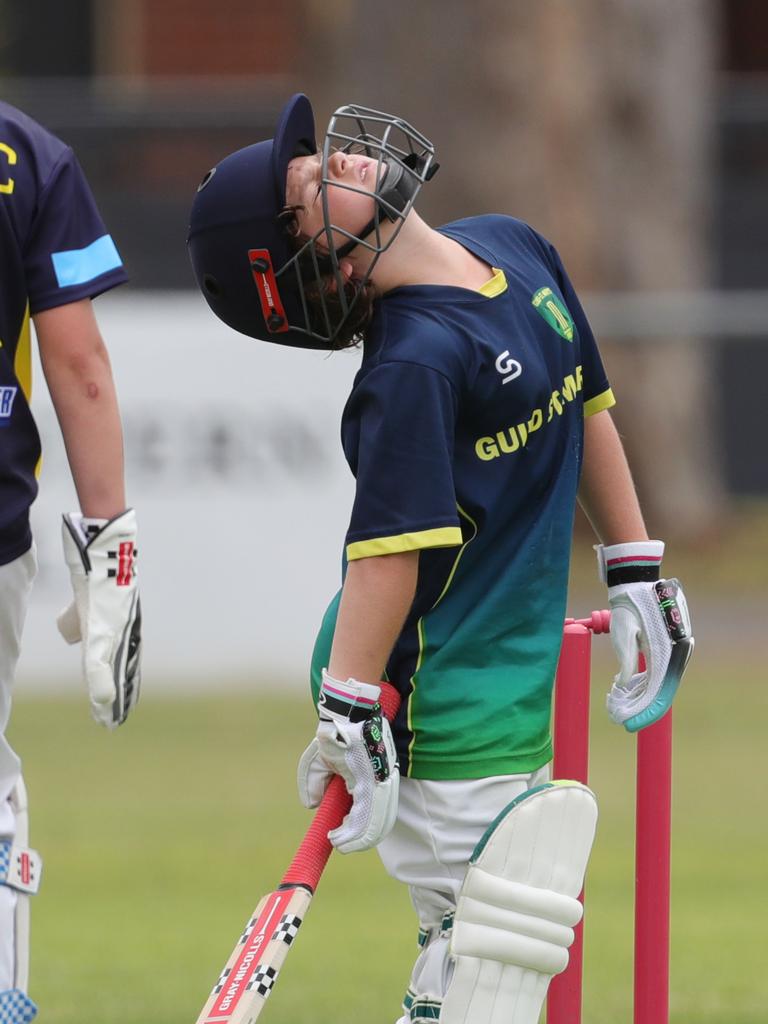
[78,266]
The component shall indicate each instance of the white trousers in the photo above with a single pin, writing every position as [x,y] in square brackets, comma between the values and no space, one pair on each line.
[15,584]
[438,825]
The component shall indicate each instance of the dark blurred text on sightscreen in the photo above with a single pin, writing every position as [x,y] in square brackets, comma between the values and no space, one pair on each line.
[180,448]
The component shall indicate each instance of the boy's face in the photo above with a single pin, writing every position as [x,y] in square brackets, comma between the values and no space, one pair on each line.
[351,207]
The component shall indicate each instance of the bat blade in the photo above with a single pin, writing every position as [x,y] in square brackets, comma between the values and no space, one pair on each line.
[238,997]
[246,982]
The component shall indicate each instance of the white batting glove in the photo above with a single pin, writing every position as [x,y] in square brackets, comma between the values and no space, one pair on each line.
[105,614]
[649,616]
[353,740]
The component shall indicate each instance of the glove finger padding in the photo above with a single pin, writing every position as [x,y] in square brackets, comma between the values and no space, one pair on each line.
[628,638]
[313,776]
[103,571]
[355,741]
[650,619]
[68,624]
[369,758]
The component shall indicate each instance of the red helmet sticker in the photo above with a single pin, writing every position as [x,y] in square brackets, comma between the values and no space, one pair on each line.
[269,294]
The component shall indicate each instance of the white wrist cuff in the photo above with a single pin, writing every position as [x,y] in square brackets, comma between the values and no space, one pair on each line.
[350,699]
[633,553]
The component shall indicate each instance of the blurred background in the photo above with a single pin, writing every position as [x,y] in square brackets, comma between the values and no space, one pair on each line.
[635,136]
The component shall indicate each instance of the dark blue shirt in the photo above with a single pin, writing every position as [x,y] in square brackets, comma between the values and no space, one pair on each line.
[54,249]
[464,431]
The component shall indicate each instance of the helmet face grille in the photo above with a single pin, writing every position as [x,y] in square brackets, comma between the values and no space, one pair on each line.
[239,211]
[404,162]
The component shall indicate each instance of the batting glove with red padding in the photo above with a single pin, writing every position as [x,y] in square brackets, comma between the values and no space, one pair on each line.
[649,616]
[105,614]
[353,740]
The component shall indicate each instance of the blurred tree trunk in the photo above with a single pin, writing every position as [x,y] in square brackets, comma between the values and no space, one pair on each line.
[593,121]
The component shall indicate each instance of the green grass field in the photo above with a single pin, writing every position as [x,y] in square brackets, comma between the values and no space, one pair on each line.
[159,840]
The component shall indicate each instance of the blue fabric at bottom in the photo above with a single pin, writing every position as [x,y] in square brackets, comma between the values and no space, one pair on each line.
[16,1007]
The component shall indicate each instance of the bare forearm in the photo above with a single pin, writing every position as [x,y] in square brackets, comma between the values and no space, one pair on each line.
[377,595]
[607,493]
[79,379]
[93,439]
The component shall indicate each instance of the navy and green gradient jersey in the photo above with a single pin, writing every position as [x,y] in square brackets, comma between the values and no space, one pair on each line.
[464,431]
[54,249]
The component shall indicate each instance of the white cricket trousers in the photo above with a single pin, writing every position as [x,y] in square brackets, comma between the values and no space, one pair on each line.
[438,826]
[15,584]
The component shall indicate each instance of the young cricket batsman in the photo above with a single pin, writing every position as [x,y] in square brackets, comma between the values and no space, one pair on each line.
[478,419]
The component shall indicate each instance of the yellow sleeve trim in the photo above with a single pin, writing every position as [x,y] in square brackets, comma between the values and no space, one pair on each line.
[495,285]
[599,402]
[443,537]
[23,359]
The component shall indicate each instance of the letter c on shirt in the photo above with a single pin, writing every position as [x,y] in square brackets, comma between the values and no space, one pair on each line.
[6,187]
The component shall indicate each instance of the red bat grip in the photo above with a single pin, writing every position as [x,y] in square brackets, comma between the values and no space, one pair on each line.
[315,848]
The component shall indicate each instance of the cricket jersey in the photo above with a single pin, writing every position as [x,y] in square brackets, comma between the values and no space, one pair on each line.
[54,249]
[464,431]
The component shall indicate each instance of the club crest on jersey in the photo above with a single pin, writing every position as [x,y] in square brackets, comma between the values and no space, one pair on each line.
[7,396]
[554,311]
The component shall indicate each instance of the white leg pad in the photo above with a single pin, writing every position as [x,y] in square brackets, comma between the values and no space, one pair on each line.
[518,906]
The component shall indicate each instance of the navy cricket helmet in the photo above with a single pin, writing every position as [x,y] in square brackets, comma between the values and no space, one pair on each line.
[253,274]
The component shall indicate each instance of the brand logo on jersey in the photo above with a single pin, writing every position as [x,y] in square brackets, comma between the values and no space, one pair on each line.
[7,395]
[509,368]
[554,311]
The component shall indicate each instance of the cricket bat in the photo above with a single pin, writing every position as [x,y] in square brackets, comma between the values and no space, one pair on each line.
[249,975]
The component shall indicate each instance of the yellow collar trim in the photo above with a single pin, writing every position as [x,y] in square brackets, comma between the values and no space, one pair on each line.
[495,285]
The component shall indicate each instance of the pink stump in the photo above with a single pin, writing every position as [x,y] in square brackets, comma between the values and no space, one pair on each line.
[571,761]
[652,832]
[652,871]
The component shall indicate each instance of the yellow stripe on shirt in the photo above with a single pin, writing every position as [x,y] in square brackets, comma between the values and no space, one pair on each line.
[22,367]
[22,362]
[443,537]
[599,402]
